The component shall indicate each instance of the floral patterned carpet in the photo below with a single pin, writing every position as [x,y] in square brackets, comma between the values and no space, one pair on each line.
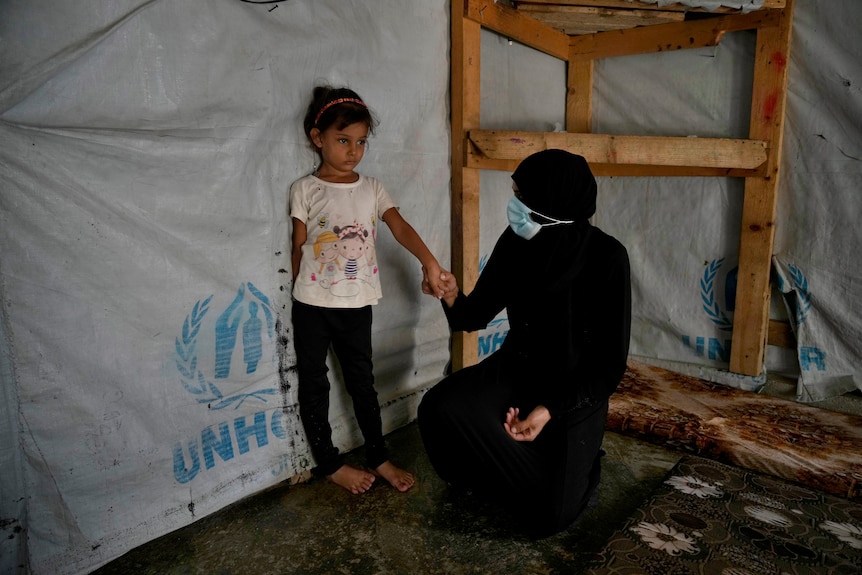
[714,519]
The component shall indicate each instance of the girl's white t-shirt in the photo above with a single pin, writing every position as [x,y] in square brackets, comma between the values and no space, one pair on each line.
[338,268]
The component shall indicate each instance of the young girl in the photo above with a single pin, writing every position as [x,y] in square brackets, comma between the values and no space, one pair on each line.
[336,202]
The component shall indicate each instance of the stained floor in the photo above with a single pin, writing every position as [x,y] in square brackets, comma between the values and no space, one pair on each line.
[318,528]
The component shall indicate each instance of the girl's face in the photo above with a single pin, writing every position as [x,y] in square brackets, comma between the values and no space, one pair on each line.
[341,150]
[351,248]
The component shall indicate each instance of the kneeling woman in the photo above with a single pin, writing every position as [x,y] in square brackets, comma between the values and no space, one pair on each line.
[526,424]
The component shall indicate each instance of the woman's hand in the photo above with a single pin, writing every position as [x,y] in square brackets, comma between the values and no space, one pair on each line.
[448,286]
[526,429]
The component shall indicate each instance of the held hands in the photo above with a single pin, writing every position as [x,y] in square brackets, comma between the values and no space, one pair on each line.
[439,283]
[433,277]
[526,429]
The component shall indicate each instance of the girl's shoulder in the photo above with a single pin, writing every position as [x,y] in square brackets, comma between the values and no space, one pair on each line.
[368,185]
[304,182]
[369,181]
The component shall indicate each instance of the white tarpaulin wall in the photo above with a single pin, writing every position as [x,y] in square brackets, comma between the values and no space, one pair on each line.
[146,149]
[683,233]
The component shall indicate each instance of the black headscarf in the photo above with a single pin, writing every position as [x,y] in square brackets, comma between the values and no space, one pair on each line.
[559,184]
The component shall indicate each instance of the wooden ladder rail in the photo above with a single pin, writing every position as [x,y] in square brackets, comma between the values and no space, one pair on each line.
[756,159]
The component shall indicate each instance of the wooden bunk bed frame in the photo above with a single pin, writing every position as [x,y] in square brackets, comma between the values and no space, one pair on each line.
[580,32]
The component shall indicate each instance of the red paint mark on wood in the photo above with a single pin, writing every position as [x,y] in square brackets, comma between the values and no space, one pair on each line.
[517,140]
[769,106]
[779,59]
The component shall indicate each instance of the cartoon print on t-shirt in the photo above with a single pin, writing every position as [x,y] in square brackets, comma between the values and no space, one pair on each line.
[347,251]
[351,245]
[326,252]
[371,257]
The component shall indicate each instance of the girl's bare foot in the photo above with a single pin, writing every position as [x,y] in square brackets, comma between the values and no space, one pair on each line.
[399,478]
[352,479]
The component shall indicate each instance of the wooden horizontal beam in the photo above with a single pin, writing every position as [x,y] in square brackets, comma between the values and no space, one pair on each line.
[577,20]
[652,151]
[647,171]
[635,5]
[516,26]
[667,37]
[624,170]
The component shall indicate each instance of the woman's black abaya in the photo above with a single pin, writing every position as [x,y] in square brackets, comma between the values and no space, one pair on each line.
[567,295]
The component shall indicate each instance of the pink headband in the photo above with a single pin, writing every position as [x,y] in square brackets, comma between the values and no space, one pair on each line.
[356,228]
[328,105]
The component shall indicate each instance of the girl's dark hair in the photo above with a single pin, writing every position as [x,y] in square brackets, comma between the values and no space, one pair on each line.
[339,115]
[350,235]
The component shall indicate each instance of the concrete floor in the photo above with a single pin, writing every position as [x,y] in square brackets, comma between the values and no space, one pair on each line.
[317,528]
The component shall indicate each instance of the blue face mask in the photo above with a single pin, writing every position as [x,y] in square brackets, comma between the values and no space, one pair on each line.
[521,222]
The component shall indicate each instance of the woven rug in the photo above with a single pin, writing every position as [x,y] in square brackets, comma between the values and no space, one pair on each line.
[714,519]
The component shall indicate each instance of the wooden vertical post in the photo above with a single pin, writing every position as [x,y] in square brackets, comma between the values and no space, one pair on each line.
[465,107]
[750,325]
[579,96]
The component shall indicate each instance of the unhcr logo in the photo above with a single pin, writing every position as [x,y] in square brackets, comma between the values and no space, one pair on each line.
[711,301]
[218,353]
[811,358]
[246,323]
[801,305]
[718,301]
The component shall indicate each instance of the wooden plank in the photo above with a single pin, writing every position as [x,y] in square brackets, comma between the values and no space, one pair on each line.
[465,108]
[576,20]
[772,56]
[635,5]
[780,334]
[476,160]
[622,170]
[579,97]
[637,150]
[667,37]
[516,26]
[647,171]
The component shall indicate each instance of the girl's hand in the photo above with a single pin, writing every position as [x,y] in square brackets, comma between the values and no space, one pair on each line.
[426,287]
[449,283]
[433,280]
[526,429]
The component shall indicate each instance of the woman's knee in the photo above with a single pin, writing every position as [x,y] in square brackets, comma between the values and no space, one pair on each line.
[444,402]
[429,408]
